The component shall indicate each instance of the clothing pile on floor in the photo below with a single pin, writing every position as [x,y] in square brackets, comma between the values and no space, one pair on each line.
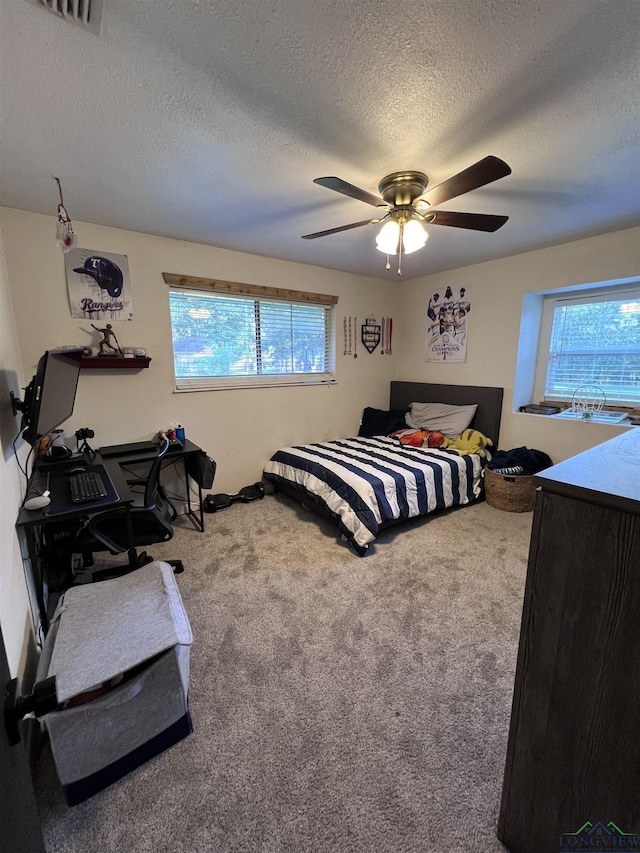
[520,460]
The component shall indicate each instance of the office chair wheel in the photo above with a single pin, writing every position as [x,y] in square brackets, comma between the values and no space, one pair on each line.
[178,568]
[143,559]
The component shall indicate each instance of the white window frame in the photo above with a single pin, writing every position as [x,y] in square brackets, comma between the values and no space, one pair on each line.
[550,302]
[258,293]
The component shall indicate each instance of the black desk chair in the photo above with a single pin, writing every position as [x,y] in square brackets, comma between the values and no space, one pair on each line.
[127,529]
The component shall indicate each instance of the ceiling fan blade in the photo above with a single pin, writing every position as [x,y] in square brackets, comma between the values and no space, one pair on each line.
[340,186]
[336,230]
[479,175]
[474,221]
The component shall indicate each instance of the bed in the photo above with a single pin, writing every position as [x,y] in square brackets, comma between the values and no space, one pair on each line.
[370,482]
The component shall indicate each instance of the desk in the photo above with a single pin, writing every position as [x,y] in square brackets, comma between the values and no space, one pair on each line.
[189,451]
[31,524]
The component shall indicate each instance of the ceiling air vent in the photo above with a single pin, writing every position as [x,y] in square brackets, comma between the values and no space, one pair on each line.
[84,13]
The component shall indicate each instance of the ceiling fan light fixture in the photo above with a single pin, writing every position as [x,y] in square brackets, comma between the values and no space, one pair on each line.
[413,236]
[388,238]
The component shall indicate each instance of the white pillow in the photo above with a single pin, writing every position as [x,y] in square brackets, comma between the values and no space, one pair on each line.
[441,417]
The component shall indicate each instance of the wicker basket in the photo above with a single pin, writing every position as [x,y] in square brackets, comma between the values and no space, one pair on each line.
[510,492]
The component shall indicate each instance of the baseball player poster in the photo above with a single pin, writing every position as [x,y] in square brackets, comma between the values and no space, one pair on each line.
[448,324]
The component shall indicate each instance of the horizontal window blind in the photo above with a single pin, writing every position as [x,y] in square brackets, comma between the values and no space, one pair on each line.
[596,341]
[229,340]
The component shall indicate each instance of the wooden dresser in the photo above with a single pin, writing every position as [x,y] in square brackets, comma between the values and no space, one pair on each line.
[573,752]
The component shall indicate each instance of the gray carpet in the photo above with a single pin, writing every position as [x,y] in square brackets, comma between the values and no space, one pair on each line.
[339,704]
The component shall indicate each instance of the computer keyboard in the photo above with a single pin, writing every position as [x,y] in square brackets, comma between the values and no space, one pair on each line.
[86,486]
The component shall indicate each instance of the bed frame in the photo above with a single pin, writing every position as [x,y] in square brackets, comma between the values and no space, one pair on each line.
[486,420]
[489,400]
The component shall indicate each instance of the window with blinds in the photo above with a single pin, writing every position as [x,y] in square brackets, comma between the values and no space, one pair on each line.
[226,340]
[596,341]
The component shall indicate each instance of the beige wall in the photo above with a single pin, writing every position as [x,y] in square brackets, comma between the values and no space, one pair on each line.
[239,428]
[15,617]
[498,288]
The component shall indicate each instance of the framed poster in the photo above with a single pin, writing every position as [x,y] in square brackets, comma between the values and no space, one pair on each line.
[98,284]
[448,324]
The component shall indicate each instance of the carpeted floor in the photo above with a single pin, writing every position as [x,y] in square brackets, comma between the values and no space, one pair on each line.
[339,704]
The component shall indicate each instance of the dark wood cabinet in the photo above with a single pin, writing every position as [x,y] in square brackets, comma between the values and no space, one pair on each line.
[573,753]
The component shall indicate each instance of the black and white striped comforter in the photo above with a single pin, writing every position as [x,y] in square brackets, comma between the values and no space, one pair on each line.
[367,482]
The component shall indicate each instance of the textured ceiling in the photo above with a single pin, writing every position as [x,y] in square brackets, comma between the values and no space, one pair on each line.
[207,120]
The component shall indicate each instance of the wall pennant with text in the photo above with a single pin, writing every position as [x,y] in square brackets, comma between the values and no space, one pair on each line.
[370,334]
[448,324]
[98,284]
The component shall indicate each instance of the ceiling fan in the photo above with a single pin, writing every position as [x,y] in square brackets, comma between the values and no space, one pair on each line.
[406,204]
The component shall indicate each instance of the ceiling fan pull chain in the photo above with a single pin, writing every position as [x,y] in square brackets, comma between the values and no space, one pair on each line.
[345,333]
[355,336]
[382,336]
[349,335]
[388,263]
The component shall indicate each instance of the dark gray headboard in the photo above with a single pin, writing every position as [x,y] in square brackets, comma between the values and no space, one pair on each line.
[489,400]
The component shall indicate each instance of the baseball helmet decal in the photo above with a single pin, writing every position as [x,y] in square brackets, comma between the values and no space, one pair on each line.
[105,273]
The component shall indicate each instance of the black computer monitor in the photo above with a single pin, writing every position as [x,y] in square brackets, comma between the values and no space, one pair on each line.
[51,394]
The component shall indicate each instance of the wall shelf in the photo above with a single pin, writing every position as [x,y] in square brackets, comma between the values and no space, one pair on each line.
[114,363]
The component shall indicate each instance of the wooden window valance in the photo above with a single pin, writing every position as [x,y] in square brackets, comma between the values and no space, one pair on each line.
[193,281]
